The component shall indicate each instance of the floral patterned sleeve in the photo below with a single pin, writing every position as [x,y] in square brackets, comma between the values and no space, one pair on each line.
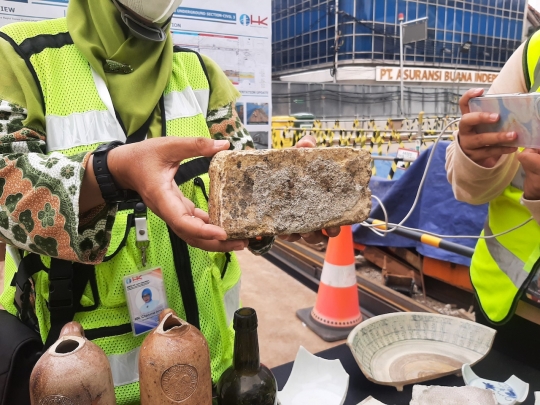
[39,196]
[224,123]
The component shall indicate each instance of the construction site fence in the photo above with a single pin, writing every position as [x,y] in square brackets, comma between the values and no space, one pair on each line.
[338,101]
[381,137]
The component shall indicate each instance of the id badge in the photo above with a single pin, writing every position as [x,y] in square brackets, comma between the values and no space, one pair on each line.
[145,295]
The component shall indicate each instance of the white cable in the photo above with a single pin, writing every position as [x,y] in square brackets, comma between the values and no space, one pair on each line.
[450,236]
[383,232]
[428,164]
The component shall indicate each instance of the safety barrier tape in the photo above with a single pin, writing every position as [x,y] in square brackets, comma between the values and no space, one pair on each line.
[367,134]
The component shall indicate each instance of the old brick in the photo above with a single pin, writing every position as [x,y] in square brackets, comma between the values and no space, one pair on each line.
[285,191]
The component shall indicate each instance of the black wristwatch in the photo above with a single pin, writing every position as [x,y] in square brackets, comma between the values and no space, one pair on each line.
[109,189]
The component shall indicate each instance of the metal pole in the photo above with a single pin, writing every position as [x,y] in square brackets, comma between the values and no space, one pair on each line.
[401,60]
[430,240]
[460,53]
[336,44]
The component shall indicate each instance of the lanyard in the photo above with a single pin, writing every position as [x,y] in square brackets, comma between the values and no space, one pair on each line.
[140,209]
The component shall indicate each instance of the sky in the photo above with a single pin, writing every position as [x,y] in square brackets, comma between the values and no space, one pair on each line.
[535,4]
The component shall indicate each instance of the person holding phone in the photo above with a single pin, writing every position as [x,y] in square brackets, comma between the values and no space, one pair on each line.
[482,170]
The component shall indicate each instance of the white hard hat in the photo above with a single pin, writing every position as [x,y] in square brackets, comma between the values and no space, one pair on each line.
[155,12]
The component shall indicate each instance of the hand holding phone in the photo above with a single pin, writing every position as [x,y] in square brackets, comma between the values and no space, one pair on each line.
[483,148]
[519,113]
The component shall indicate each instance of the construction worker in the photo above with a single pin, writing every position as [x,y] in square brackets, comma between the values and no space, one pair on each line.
[482,170]
[97,111]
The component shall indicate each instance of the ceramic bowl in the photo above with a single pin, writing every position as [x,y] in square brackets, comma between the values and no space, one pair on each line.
[315,381]
[512,391]
[404,348]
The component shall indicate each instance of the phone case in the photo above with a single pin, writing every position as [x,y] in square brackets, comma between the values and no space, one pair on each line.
[518,112]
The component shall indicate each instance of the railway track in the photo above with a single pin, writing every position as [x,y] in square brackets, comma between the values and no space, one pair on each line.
[305,265]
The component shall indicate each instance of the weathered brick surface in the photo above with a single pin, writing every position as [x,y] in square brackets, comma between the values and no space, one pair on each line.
[297,190]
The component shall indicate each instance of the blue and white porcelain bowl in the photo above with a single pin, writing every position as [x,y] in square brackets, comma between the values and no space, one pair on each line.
[512,391]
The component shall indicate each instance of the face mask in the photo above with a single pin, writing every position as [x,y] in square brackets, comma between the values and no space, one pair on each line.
[157,12]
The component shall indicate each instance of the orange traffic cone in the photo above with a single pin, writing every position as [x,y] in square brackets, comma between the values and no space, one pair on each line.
[337,310]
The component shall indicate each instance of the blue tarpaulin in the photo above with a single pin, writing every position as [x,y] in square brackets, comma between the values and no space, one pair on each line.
[437,210]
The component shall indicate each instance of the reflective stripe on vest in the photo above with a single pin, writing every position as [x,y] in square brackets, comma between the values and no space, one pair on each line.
[186,103]
[93,127]
[86,128]
[536,74]
[232,302]
[509,263]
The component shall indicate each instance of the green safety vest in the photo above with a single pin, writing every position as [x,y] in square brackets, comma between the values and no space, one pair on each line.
[502,267]
[79,116]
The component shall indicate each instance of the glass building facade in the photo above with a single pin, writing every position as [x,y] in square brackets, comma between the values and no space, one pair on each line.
[304,32]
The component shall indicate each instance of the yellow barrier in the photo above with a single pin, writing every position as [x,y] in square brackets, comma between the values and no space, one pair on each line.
[368,134]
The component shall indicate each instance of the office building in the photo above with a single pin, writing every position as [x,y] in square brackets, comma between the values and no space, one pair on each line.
[477,35]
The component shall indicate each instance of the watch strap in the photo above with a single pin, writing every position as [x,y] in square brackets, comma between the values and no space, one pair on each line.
[110,191]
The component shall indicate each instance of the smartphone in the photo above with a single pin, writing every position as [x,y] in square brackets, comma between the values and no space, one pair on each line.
[518,112]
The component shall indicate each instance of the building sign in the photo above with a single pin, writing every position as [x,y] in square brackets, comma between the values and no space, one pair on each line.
[237,34]
[426,75]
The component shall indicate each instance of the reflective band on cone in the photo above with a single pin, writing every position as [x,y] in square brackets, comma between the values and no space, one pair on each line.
[337,300]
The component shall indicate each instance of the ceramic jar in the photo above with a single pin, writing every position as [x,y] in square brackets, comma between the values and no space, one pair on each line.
[174,364]
[74,371]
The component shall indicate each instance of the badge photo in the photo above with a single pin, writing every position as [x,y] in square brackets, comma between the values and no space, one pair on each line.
[145,294]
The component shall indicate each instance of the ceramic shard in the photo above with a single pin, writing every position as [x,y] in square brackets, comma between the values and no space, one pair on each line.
[511,392]
[437,395]
[297,190]
[315,381]
[370,401]
[405,348]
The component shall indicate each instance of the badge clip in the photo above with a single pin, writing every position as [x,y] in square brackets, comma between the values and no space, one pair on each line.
[141,229]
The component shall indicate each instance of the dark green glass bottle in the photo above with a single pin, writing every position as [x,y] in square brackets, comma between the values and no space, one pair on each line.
[247,381]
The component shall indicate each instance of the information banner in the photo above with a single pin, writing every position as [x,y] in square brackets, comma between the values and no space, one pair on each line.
[237,34]
[434,75]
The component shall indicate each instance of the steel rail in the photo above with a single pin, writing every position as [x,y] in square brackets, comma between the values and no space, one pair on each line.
[305,265]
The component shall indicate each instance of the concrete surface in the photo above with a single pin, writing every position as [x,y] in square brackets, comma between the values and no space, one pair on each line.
[276,297]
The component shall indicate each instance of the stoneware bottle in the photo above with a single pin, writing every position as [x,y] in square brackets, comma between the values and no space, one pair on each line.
[174,364]
[74,371]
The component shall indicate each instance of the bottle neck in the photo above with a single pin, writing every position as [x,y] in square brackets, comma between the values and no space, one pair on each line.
[246,351]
